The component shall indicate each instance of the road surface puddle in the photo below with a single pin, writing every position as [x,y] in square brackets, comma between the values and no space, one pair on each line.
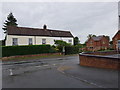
[63,68]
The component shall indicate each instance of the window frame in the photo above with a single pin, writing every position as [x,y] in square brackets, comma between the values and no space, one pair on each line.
[43,41]
[30,41]
[69,41]
[14,41]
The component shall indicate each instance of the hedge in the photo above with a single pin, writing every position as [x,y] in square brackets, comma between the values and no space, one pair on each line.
[71,50]
[26,50]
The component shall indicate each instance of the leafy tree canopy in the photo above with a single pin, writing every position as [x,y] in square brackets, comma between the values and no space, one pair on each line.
[111,42]
[61,43]
[81,45]
[91,35]
[76,41]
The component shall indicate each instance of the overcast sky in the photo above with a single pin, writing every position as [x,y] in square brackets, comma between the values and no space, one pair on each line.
[81,18]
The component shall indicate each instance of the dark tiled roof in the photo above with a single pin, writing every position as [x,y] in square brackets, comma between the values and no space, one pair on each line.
[58,33]
[97,38]
[24,31]
[118,32]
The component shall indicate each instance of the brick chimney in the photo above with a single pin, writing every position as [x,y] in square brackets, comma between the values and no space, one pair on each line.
[45,26]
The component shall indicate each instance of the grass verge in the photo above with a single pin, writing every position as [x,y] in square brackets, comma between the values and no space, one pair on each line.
[34,57]
[29,58]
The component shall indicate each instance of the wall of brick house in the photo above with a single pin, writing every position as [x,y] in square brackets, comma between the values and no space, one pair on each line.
[106,44]
[99,62]
[115,39]
[88,44]
[97,45]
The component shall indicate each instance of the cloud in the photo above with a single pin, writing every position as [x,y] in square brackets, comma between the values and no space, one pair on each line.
[81,18]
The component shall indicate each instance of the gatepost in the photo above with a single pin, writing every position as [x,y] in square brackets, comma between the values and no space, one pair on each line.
[63,50]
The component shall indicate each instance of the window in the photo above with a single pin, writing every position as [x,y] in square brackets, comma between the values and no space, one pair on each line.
[30,41]
[118,44]
[91,47]
[70,41]
[103,42]
[15,41]
[91,42]
[43,41]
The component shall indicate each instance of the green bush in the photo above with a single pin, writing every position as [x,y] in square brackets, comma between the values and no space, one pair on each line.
[26,50]
[71,50]
[60,48]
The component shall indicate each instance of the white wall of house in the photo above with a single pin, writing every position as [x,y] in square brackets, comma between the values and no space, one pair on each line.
[22,40]
[66,39]
[49,40]
[36,40]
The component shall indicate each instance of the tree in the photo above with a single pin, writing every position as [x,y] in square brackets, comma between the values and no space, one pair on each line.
[2,42]
[111,42]
[11,21]
[76,41]
[60,44]
[91,35]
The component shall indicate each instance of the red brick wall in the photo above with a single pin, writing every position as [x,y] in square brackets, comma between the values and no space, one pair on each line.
[103,52]
[115,39]
[99,62]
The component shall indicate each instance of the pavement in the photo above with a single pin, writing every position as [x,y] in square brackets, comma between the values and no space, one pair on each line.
[58,72]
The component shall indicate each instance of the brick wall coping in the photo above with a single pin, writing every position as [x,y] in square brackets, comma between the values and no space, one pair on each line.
[100,52]
[98,56]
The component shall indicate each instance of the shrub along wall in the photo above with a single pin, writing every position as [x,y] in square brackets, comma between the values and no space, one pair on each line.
[26,50]
[71,50]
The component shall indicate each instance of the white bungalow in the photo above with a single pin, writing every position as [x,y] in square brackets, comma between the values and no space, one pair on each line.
[35,36]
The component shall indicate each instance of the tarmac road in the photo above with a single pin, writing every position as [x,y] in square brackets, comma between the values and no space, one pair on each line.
[60,72]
